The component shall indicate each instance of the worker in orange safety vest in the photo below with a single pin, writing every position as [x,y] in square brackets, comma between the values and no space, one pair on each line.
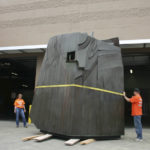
[136,102]
[19,109]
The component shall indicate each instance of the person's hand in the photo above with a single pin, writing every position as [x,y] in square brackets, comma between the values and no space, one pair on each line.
[24,110]
[124,94]
[15,111]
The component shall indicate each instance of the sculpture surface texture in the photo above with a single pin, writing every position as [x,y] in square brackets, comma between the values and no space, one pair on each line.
[70,97]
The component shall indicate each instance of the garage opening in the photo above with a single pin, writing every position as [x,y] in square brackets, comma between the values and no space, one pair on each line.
[17,75]
[137,75]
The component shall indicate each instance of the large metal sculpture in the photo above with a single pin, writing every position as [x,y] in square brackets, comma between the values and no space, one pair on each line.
[78,93]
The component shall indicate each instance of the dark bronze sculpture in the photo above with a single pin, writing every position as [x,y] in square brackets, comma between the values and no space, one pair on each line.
[70,97]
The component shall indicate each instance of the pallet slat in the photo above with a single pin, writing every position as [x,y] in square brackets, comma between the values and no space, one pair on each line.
[31,137]
[43,137]
[72,142]
[88,141]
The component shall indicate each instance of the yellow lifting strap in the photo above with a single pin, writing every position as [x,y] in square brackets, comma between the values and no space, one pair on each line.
[80,86]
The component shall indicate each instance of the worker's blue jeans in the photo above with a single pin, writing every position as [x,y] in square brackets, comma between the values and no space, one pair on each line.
[138,126]
[20,111]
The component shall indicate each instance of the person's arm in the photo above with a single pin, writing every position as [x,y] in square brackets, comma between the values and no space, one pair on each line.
[15,106]
[24,108]
[23,102]
[14,109]
[125,97]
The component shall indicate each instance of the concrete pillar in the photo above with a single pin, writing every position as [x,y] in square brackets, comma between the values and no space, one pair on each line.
[38,66]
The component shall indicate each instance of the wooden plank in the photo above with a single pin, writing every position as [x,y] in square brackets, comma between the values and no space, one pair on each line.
[72,142]
[88,141]
[43,137]
[31,137]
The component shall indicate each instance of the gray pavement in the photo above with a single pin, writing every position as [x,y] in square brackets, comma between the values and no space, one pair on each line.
[10,139]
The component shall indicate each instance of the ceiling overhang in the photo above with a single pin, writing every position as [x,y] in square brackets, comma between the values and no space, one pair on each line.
[140,43]
[23,49]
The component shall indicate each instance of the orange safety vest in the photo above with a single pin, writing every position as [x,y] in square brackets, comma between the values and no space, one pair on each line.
[136,105]
[19,103]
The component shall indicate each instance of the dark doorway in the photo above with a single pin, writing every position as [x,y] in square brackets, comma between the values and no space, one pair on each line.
[137,75]
[17,75]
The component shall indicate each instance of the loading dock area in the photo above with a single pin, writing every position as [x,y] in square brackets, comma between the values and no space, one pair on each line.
[136,60]
[19,67]
[17,75]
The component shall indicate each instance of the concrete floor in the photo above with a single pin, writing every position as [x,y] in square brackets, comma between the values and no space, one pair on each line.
[10,139]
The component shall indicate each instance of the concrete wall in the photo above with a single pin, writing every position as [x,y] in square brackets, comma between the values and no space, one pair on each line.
[38,66]
[25,22]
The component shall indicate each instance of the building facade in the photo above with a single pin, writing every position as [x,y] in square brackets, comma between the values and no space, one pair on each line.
[34,22]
